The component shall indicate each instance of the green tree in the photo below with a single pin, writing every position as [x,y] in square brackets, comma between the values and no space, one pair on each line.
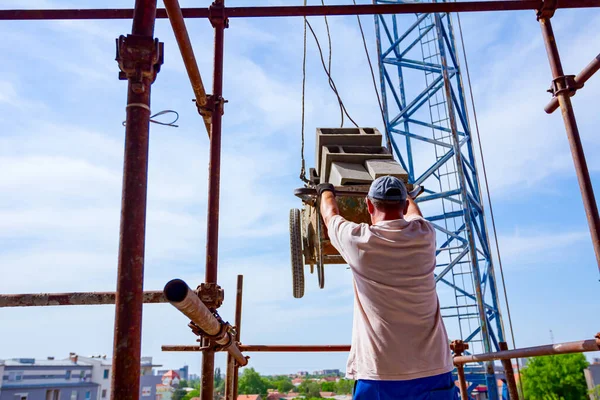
[595,393]
[284,385]
[218,377]
[557,377]
[192,394]
[344,386]
[251,383]
[310,389]
[328,386]
[183,383]
[179,394]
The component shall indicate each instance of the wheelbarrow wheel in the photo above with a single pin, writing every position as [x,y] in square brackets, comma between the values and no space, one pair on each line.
[296,253]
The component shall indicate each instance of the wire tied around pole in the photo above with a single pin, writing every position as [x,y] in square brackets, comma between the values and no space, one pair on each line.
[158,114]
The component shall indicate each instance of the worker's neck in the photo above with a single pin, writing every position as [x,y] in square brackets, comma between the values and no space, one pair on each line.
[388,216]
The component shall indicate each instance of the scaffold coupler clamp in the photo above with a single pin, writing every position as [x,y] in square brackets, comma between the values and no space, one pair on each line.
[210,342]
[212,105]
[139,57]
[216,14]
[565,83]
[211,294]
[458,347]
[547,9]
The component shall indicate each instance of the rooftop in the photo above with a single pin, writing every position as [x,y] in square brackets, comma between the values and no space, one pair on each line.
[24,362]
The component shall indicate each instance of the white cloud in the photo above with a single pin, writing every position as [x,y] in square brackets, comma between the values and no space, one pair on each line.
[523,146]
[522,249]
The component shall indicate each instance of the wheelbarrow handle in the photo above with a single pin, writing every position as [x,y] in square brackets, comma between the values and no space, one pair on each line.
[310,193]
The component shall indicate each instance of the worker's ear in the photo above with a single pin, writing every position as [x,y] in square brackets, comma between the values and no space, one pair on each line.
[405,207]
[370,206]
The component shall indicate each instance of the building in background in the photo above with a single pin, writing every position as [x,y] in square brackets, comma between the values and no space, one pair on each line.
[101,372]
[147,367]
[327,372]
[50,379]
[79,378]
[183,373]
[171,378]
[148,387]
[592,374]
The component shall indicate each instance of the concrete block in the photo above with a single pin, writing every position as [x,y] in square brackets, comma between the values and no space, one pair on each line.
[345,137]
[348,174]
[377,168]
[349,154]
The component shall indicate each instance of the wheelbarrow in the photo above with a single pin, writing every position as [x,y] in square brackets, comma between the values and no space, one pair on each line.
[309,242]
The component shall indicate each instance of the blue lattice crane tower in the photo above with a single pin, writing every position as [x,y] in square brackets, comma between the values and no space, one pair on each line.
[428,126]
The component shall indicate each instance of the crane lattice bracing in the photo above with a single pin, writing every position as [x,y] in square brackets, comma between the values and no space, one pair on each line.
[428,126]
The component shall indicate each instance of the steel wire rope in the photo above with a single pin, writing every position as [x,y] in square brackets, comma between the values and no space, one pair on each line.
[330,51]
[303,161]
[379,102]
[330,81]
[489,196]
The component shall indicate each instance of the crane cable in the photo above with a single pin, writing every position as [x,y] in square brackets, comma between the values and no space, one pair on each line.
[303,162]
[329,47]
[331,82]
[379,102]
[327,69]
[489,196]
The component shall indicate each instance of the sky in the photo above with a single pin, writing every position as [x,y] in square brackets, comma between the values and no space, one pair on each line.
[61,157]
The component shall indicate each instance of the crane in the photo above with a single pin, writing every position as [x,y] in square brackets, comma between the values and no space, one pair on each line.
[427,122]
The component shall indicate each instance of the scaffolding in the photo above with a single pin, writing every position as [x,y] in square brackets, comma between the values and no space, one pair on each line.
[139,56]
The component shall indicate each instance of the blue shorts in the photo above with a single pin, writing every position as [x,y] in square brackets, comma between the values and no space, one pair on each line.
[438,387]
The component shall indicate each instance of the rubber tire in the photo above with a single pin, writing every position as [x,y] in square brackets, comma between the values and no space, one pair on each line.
[297,258]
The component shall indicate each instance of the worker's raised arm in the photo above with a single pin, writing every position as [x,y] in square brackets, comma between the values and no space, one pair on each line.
[328,205]
[413,209]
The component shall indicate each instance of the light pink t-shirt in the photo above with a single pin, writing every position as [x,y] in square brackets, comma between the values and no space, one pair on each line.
[397,333]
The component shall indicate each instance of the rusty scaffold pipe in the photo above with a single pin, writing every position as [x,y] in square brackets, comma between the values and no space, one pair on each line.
[215,105]
[71,299]
[178,293]
[231,377]
[299,11]
[560,90]
[459,347]
[139,57]
[266,348]
[581,346]
[509,374]
[189,60]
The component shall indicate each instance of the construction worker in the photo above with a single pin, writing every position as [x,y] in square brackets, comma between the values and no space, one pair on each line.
[400,347]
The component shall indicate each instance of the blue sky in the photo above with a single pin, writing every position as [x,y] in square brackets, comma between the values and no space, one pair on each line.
[61,153]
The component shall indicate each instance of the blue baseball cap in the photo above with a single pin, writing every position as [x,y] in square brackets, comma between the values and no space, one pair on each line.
[388,188]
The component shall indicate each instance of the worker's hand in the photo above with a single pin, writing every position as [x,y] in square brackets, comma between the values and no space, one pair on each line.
[325,187]
[417,190]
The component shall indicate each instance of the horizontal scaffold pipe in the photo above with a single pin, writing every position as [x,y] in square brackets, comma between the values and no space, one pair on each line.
[296,11]
[70,299]
[545,350]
